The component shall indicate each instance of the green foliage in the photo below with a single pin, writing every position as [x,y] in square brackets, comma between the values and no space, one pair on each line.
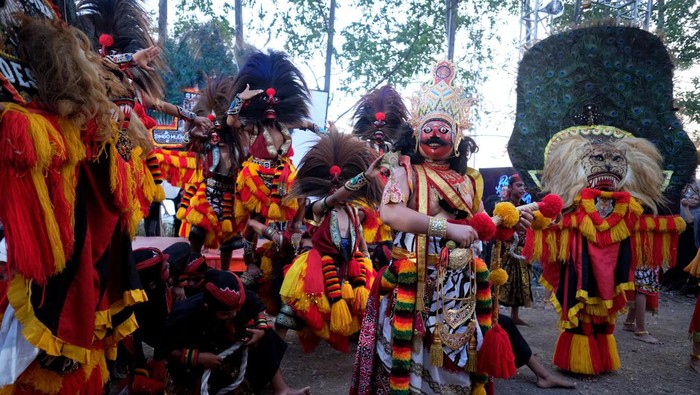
[682,31]
[197,51]
[387,47]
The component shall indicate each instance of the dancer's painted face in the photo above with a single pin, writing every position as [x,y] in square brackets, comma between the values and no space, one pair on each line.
[436,140]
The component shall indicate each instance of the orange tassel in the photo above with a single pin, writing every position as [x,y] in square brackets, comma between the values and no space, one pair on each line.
[346,292]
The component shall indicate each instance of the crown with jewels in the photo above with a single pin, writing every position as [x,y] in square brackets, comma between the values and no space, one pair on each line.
[441,100]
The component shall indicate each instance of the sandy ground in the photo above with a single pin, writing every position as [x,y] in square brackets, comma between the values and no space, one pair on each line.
[646,368]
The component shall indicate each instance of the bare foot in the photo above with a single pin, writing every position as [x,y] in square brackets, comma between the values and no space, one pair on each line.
[628,326]
[645,337]
[295,391]
[518,321]
[554,381]
[695,363]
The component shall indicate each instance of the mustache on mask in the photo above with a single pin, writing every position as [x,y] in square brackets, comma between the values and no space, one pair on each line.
[434,140]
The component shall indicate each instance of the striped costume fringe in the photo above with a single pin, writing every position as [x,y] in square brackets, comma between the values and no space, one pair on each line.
[38,164]
[373,229]
[585,352]
[157,176]
[654,239]
[484,316]
[179,168]
[254,197]
[90,378]
[402,331]
[196,211]
[314,290]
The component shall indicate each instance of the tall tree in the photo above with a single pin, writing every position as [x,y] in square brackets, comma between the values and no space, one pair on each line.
[162,22]
[201,50]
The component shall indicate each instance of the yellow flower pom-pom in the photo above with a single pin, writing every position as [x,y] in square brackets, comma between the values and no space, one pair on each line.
[508,213]
[498,277]
[540,221]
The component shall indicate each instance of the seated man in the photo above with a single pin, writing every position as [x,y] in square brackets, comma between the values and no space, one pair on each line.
[223,330]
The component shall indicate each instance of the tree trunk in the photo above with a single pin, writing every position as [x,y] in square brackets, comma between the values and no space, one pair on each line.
[661,16]
[162,22]
[329,48]
[238,9]
[451,26]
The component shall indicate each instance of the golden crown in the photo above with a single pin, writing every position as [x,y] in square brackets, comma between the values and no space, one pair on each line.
[441,100]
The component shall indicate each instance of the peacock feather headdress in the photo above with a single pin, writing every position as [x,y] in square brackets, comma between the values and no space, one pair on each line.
[441,100]
[601,82]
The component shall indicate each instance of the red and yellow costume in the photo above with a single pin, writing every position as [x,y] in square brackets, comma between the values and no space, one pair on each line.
[69,223]
[266,177]
[618,160]
[328,285]
[589,263]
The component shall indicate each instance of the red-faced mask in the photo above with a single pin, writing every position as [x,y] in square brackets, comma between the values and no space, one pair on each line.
[435,140]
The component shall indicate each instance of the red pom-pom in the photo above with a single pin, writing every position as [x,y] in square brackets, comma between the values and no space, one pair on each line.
[270,92]
[484,226]
[551,205]
[504,234]
[380,116]
[106,40]
[211,117]
[335,171]
[496,355]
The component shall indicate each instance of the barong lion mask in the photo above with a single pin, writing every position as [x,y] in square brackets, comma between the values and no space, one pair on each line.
[611,83]
[604,158]
[605,166]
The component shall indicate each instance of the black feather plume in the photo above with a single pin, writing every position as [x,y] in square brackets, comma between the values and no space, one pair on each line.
[384,100]
[128,24]
[273,70]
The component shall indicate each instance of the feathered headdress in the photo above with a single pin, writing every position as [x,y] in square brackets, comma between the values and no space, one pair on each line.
[214,99]
[285,97]
[608,78]
[122,26]
[440,100]
[379,115]
[336,158]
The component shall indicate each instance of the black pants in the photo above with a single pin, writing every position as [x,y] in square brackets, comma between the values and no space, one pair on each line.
[521,349]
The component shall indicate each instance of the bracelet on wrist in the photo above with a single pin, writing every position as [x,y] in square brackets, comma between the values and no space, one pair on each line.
[123,59]
[324,205]
[437,227]
[269,232]
[356,183]
[235,106]
[185,114]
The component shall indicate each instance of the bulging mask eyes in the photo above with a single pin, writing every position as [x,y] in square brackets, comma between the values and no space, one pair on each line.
[444,130]
[427,129]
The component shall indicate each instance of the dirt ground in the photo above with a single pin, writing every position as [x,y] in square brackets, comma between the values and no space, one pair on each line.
[646,368]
